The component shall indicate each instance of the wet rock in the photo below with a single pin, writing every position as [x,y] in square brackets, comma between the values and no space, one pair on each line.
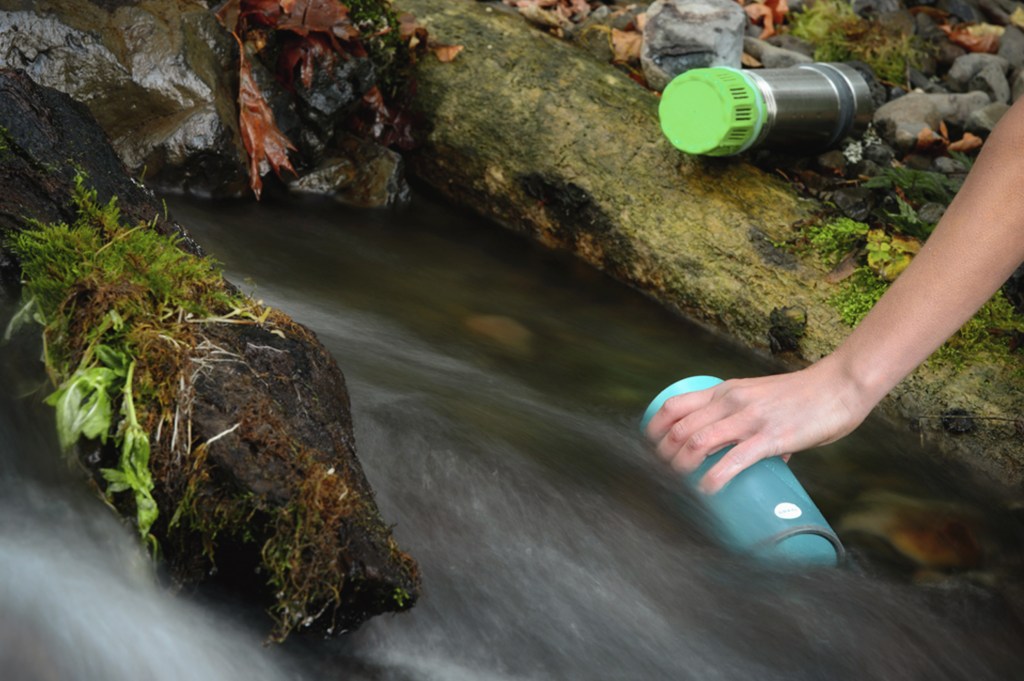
[872,8]
[686,34]
[931,212]
[958,421]
[982,121]
[786,326]
[983,73]
[961,9]
[156,77]
[928,533]
[285,461]
[360,174]
[855,203]
[900,121]
[336,88]
[773,57]
[505,331]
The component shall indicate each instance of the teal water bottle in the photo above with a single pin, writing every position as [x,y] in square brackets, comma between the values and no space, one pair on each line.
[764,511]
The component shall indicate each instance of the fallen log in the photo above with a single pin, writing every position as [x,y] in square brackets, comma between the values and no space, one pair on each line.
[542,138]
[242,414]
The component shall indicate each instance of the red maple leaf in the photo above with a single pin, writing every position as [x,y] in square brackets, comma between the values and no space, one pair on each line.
[264,141]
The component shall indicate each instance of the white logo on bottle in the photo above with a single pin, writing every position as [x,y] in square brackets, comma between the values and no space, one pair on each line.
[788,511]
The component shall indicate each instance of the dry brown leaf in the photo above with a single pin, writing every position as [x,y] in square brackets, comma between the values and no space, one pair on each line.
[1017,17]
[977,38]
[266,145]
[750,61]
[846,267]
[967,143]
[929,140]
[446,53]
[761,15]
[626,45]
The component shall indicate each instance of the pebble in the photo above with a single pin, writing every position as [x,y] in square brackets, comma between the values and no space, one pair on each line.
[983,73]
[773,57]
[983,120]
[900,121]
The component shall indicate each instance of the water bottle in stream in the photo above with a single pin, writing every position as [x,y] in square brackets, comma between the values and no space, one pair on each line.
[721,111]
[764,511]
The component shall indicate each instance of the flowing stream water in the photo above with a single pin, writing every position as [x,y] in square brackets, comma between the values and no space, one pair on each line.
[496,389]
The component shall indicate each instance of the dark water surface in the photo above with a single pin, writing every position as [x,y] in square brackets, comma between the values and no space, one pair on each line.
[496,389]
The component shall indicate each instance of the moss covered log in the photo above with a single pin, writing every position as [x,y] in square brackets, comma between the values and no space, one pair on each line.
[542,138]
[219,428]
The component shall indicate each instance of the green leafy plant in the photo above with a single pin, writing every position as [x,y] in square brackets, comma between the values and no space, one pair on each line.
[117,304]
[918,186]
[907,220]
[889,254]
[834,239]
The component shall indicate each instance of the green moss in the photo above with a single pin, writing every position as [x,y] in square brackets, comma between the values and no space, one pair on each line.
[116,302]
[838,34]
[834,239]
[987,334]
[857,295]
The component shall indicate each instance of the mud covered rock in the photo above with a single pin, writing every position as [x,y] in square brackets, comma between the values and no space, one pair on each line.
[252,453]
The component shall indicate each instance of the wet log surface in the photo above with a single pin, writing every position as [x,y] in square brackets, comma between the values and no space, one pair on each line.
[269,480]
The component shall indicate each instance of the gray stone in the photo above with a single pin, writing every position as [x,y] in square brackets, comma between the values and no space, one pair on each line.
[854,202]
[983,120]
[360,174]
[1011,47]
[931,212]
[790,42]
[1018,86]
[686,34]
[870,8]
[900,121]
[961,9]
[947,166]
[773,57]
[155,76]
[981,72]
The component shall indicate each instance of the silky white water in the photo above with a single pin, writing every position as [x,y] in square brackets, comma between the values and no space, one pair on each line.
[496,389]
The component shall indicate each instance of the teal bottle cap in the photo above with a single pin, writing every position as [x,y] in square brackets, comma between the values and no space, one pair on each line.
[715,111]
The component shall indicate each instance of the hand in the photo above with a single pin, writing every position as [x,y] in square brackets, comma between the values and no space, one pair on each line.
[762,417]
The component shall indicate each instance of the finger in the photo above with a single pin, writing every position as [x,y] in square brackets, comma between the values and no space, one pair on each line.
[705,441]
[739,458]
[689,433]
[674,409]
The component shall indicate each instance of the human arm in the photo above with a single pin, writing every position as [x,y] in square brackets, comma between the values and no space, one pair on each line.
[973,250]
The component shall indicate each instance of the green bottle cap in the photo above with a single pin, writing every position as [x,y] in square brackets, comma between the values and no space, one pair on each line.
[714,111]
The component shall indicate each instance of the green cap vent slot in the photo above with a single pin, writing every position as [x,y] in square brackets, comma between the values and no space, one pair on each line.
[714,111]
